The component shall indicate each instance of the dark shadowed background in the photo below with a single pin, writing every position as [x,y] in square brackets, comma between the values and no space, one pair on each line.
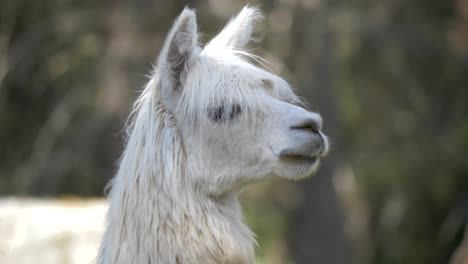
[390,79]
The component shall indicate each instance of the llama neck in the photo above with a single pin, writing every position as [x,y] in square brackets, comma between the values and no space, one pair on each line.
[155,216]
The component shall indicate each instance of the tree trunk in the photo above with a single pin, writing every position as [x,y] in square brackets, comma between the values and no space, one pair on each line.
[317,226]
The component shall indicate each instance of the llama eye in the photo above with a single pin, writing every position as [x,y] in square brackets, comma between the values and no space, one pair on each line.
[220,114]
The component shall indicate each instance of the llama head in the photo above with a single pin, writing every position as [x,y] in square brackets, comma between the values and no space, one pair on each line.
[237,122]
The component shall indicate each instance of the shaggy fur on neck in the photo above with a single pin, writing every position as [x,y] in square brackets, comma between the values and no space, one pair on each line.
[154,215]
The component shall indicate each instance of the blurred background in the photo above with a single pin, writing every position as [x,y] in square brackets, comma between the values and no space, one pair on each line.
[390,78]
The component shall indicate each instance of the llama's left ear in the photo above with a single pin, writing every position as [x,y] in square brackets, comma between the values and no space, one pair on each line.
[180,47]
[238,32]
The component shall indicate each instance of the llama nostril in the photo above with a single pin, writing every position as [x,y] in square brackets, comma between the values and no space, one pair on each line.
[311,124]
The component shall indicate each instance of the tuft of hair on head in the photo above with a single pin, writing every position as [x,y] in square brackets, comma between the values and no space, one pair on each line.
[238,32]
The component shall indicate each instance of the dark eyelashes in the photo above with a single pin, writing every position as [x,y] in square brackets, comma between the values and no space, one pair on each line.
[216,113]
[221,114]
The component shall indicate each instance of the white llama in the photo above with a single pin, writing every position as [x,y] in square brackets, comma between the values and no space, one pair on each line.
[207,124]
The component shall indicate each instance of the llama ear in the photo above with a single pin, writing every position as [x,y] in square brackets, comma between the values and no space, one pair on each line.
[237,33]
[179,48]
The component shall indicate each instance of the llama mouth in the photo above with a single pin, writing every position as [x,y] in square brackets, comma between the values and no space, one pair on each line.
[299,158]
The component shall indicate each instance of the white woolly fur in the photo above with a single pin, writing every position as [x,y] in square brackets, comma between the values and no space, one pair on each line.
[174,197]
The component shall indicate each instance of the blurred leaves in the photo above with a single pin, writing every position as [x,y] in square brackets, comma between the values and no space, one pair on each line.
[406,129]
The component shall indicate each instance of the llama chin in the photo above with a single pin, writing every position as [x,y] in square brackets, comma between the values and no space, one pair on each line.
[207,124]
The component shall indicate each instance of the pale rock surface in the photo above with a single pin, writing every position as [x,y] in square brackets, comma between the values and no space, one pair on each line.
[38,231]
